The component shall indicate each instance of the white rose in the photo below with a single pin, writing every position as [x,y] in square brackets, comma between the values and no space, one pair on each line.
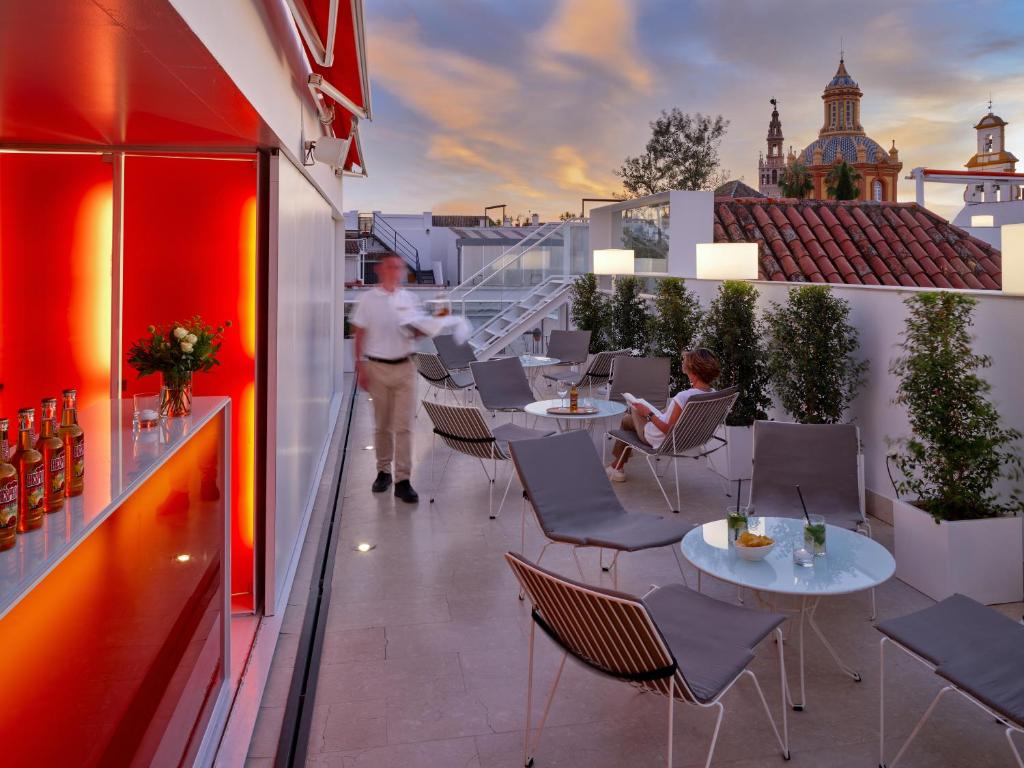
[191,338]
[180,333]
[186,347]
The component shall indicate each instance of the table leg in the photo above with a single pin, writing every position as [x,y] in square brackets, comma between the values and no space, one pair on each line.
[807,615]
[846,668]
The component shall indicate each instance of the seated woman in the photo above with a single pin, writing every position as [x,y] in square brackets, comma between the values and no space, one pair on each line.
[701,368]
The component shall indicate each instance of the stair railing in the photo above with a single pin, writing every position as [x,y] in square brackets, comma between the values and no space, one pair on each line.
[391,238]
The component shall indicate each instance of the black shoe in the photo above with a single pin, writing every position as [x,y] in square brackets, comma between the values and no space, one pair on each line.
[382,483]
[405,492]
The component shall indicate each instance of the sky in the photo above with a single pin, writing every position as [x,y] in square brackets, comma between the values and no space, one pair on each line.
[535,103]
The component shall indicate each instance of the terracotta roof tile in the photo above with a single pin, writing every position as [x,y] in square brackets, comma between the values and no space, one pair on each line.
[857,242]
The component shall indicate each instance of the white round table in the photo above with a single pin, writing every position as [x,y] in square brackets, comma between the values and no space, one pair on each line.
[853,563]
[537,361]
[605,409]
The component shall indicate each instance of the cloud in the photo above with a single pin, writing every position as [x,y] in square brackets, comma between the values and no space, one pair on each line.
[570,171]
[594,35]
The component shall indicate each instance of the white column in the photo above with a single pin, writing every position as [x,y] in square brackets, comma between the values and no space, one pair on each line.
[691,222]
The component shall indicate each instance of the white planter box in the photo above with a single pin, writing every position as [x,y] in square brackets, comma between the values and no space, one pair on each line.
[348,350]
[736,460]
[983,559]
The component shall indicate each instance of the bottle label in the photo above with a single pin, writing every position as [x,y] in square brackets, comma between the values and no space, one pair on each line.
[34,486]
[78,458]
[56,472]
[9,504]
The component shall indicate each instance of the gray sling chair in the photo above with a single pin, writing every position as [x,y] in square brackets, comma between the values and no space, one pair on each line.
[502,385]
[674,642]
[574,503]
[596,374]
[569,347]
[692,437]
[455,356]
[825,460]
[464,430]
[430,367]
[648,378]
[976,650]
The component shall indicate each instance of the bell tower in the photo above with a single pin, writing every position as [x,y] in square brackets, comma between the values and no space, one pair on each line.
[770,167]
[991,154]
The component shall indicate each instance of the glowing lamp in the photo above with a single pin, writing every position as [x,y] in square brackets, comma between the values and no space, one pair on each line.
[1013,258]
[727,261]
[983,220]
[613,261]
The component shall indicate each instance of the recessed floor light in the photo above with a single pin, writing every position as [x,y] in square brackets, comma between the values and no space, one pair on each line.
[183,558]
[367,447]
[364,546]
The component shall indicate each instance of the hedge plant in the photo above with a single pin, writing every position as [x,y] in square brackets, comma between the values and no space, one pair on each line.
[589,309]
[674,325]
[958,450]
[629,316]
[811,351]
[733,332]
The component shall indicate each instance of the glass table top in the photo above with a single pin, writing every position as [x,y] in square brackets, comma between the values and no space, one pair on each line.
[605,408]
[537,361]
[853,561]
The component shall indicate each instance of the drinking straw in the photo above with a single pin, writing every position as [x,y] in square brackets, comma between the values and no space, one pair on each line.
[802,504]
[739,491]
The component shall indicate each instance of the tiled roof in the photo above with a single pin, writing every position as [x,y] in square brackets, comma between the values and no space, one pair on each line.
[736,188]
[848,143]
[825,241]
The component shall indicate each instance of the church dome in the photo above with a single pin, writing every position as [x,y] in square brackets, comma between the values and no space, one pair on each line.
[841,79]
[990,121]
[830,145]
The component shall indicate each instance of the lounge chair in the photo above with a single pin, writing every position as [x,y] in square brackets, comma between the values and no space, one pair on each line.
[574,503]
[674,642]
[978,651]
[502,384]
[692,437]
[596,374]
[647,378]
[464,430]
[569,347]
[456,357]
[437,375]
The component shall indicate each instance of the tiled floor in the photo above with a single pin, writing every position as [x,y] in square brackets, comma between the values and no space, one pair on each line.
[425,655]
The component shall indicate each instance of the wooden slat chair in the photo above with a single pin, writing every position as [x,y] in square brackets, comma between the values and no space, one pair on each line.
[596,374]
[465,431]
[692,437]
[674,641]
[437,375]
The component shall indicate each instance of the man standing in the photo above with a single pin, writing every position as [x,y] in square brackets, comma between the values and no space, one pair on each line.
[385,370]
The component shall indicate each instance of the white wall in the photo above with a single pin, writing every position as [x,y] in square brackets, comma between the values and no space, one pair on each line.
[691,221]
[305,310]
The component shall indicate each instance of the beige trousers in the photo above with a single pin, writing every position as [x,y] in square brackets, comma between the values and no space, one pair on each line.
[632,422]
[393,389]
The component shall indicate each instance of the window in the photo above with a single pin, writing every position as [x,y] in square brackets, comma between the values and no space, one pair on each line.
[775,177]
[832,115]
[988,143]
[877,191]
[849,114]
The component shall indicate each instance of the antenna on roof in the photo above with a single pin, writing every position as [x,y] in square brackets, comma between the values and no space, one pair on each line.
[990,101]
[841,51]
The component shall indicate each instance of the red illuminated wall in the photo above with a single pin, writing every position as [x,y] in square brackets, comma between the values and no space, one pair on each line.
[115,658]
[55,257]
[190,248]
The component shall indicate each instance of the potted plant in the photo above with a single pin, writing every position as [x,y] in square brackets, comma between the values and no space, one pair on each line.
[629,317]
[589,311]
[176,351]
[954,531]
[733,333]
[674,325]
[810,355]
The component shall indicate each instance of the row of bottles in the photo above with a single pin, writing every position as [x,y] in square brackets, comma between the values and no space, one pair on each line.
[43,469]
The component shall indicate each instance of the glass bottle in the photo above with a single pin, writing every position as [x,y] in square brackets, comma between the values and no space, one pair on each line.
[74,445]
[574,398]
[8,492]
[29,464]
[52,447]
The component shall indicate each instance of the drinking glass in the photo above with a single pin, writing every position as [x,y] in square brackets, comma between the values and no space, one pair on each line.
[814,535]
[736,520]
[562,392]
[146,410]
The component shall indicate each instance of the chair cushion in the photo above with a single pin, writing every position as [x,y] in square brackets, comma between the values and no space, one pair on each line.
[632,439]
[462,378]
[993,673]
[948,630]
[506,433]
[712,641]
[634,531]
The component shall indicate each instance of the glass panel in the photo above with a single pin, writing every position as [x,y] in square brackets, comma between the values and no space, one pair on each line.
[645,231]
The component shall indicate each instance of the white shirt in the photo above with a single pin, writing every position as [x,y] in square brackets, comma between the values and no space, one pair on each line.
[654,436]
[382,315]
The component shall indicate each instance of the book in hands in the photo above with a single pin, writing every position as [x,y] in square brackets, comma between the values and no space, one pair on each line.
[632,399]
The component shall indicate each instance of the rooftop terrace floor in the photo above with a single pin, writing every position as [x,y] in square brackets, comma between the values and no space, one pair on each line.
[425,652]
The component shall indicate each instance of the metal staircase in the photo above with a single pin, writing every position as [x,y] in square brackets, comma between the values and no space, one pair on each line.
[377,238]
[521,316]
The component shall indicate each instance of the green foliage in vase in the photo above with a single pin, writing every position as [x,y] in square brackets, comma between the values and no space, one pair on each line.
[733,332]
[958,451]
[811,350]
[589,309]
[629,316]
[674,325]
[178,349]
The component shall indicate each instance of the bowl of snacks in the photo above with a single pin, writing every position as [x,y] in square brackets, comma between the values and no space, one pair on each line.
[753,547]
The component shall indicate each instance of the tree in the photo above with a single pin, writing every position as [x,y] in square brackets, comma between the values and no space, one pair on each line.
[629,316]
[566,216]
[674,326]
[842,182]
[796,180]
[682,153]
[810,355]
[590,311]
[959,450]
[733,332]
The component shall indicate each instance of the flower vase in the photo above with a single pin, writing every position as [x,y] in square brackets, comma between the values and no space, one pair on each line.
[176,395]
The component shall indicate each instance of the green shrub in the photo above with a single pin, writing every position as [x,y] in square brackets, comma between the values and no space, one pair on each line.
[733,332]
[629,316]
[589,309]
[958,450]
[810,355]
[674,325]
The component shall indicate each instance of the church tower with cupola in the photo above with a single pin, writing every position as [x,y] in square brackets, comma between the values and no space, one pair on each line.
[992,154]
[770,167]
